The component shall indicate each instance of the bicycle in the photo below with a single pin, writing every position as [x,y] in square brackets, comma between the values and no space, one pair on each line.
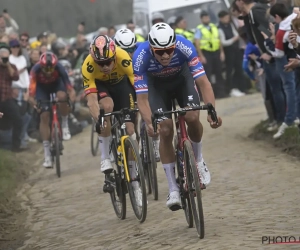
[94,139]
[188,178]
[149,162]
[124,178]
[56,146]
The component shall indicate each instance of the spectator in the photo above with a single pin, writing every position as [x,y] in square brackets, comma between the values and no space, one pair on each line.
[103,31]
[13,36]
[210,52]
[111,32]
[157,17]
[255,19]
[230,41]
[24,42]
[43,38]
[9,73]
[171,22]
[181,26]
[43,48]
[4,39]
[131,26]
[4,19]
[34,58]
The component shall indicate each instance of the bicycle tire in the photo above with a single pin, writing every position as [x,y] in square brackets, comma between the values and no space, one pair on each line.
[118,190]
[57,150]
[194,188]
[141,216]
[152,165]
[94,143]
[185,199]
[144,159]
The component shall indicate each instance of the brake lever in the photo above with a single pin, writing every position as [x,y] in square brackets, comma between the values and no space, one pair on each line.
[154,122]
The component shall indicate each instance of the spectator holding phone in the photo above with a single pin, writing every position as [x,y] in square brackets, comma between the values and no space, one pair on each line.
[7,23]
[8,106]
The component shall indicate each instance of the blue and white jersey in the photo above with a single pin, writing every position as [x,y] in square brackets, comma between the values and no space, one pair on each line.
[144,63]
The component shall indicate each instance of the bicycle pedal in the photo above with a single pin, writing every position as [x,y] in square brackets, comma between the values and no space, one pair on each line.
[175,207]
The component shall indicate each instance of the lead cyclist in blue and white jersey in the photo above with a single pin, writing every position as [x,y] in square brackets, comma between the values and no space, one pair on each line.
[167,66]
[126,40]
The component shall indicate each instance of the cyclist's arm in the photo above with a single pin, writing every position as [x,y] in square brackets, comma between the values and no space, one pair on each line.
[90,90]
[198,72]
[64,76]
[32,85]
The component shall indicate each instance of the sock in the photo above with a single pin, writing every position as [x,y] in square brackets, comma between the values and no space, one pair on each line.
[170,173]
[197,148]
[104,147]
[47,149]
[64,121]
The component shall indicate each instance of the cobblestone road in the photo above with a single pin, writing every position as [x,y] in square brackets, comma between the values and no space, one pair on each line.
[253,193]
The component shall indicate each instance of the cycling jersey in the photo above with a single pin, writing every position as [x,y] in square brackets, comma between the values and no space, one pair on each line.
[38,77]
[92,75]
[145,63]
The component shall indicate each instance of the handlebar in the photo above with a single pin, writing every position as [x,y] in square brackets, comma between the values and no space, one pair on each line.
[122,113]
[182,111]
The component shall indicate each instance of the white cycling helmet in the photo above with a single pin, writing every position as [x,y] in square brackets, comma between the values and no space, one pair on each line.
[161,36]
[125,38]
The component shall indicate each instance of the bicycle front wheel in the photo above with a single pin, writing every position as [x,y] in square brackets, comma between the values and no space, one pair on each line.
[94,140]
[136,184]
[56,153]
[194,188]
[152,168]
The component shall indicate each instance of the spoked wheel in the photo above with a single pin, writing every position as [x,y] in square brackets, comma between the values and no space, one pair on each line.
[117,194]
[152,165]
[56,149]
[136,186]
[194,188]
[185,199]
[94,140]
[144,158]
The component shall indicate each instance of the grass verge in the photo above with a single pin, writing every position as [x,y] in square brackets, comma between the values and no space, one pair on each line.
[289,142]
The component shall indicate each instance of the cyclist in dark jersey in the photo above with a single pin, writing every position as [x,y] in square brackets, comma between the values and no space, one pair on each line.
[167,66]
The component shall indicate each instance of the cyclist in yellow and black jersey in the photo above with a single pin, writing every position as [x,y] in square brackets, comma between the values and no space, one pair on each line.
[108,83]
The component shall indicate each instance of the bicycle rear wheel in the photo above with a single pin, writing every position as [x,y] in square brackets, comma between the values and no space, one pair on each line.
[136,186]
[94,140]
[194,188]
[118,196]
[56,152]
[152,165]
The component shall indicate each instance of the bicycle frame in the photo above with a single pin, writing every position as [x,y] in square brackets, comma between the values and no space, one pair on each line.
[55,116]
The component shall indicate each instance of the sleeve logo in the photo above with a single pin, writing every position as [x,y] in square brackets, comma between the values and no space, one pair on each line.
[89,68]
[194,62]
[126,63]
[137,78]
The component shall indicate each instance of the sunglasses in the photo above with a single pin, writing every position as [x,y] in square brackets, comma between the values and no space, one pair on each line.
[48,69]
[168,51]
[130,50]
[106,63]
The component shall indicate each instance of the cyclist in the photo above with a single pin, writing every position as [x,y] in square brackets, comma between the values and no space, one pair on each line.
[126,40]
[105,73]
[46,77]
[167,66]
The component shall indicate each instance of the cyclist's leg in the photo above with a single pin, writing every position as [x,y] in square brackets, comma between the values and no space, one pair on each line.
[159,96]
[106,103]
[43,94]
[61,94]
[187,95]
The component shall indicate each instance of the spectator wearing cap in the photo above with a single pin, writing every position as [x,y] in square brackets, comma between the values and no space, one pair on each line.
[157,17]
[181,26]
[131,26]
[210,51]
[230,41]
[43,38]
[8,106]
[5,19]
